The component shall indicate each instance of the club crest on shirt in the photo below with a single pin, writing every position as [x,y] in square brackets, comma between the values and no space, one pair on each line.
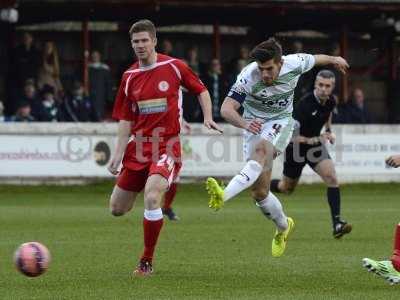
[163,86]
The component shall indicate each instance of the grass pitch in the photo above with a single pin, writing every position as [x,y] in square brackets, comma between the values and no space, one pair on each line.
[206,255]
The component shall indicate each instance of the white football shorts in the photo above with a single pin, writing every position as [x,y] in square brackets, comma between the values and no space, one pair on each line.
[277,132]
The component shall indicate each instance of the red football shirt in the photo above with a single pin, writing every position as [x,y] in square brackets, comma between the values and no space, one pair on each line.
[151,98]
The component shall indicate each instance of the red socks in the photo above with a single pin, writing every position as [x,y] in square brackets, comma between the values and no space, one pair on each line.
[396,252]
[170,196]
[152,224]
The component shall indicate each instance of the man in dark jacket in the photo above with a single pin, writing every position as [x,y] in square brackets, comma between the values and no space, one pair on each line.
[217,87]
[99,84]
[356,111]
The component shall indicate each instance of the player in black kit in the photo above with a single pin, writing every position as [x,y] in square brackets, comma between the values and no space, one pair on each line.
[308,147]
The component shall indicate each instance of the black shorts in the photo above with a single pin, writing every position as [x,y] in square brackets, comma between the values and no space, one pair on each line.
[298,155]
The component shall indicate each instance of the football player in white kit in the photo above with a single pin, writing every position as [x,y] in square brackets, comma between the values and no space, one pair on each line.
[265,89]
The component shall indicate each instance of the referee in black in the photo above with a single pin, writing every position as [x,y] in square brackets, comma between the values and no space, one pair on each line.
[308,147]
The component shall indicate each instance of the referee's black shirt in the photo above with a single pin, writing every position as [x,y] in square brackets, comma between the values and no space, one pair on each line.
[312,115]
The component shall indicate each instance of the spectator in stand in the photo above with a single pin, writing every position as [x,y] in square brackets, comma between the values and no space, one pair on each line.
[77,107]
[297,47]
[26,60]
[167,48]
[23,113]
[192,59]
[339,113]
[244,53]
[356,111]
[191,107]
[30,96]
[48,107]
[217,87]
[24,64]
[99,84]
[240,64]
[49,71]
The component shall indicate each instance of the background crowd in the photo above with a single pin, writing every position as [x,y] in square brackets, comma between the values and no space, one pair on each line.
[36,91]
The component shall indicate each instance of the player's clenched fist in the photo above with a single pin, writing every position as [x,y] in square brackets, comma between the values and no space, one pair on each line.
[341,64]
[393,161]
[254,126]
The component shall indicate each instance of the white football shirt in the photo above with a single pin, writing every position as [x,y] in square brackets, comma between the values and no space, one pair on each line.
[274,101]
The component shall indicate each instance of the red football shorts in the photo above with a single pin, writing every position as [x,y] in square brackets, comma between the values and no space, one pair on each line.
[135,180]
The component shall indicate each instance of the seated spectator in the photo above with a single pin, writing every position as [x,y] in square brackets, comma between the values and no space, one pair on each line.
[48,108]
[29,96]
[23,113]
[217,87]
[356,111]
[77,107]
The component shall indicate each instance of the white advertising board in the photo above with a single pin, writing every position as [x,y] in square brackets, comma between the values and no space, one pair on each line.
[358,156]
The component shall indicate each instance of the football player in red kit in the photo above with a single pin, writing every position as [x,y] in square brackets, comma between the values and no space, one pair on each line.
[148,107]
[388,269]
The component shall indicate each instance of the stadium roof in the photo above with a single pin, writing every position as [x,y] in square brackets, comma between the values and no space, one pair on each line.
[273,15]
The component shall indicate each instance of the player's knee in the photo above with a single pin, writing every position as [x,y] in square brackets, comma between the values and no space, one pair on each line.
[117,211]
[261,155]
[152,199]
[331,179]
[117,208]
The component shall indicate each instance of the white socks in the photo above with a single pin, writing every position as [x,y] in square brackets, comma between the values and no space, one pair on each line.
[272,209]
[270,206]
[247,176]
[153,215]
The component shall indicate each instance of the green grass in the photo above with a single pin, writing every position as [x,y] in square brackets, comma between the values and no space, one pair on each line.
[207,255]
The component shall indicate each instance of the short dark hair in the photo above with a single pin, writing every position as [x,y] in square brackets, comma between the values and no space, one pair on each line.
[267,50]
[143,25]
[327,74]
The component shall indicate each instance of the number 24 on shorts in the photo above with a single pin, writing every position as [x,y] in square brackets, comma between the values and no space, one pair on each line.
[167,161]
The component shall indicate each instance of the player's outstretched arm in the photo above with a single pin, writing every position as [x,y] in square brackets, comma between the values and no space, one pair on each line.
[205,103]
[124,133]
[229,112]
[338,62]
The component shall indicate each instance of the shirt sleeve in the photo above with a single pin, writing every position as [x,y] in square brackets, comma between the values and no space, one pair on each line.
[123,108]
[238,90]
[189,80]
[305,61]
